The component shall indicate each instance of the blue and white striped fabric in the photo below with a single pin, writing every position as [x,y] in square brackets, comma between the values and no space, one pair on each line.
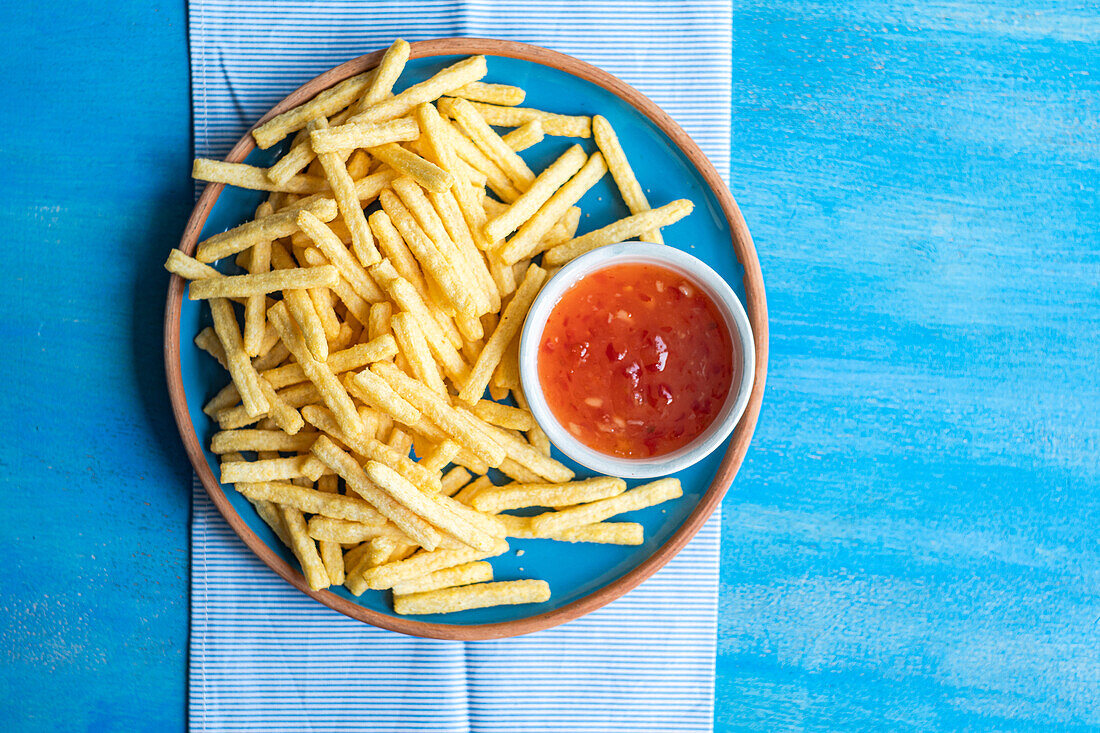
[264,656]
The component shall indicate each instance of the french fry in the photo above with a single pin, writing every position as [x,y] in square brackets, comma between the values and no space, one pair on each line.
[332,557]
[472,263]
[376,392]
[441,413]
[470,153]
[520,496]
[358,165]
[395,249]
[347,201]
[324,104]
[229,441]
[326,314]
[236,361]
[466,496]
[406,298]
[490,143]
[481,595]
[305,550]
[633,500]
[527,238]
[434,262]
[333,249]
[605,533]
[340,531]
[527,456]
[561,232]
[503,416]
[431,223]
[386,576]
[354,357]
[243,286]
[255,308]
[294,397]
[357,306]
[373,449]
[450,78]
[513,470]
[481,521]
[502,94]
[535,435]
[343,138]
[454,480]
[419,530]
[399,440]
[424,506]
[552,178]
[424,172]
[379,320]
[251,177]
[443,454]
[385,76]
[525,136]
[312,501]
[300,307]
[274,469]
[471,572]
[620,231]
[510,323]
[633,196]
[267,229]
[552,124]
[319,373]
[415,348]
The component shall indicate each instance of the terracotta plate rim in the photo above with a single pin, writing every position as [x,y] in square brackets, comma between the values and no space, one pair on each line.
[755,305]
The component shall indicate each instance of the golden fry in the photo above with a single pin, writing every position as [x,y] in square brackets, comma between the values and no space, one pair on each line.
[305,550]
[358,481]
[243,286]
[637,498]
[520,496]
[424,172]
[471,572]
[267,229]
[228,441]
[503,416]
[525,136]
[452,77]
[502,94]
[633,196]
[251,177]
[312,501]
[552,178]
[481,595]
[318,372]
[552,124]
[509,325]
[324,104]
[527,238]
[341,139]
[620,231]
[386,576]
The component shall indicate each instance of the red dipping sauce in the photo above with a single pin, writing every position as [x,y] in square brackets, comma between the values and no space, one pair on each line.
[635,361]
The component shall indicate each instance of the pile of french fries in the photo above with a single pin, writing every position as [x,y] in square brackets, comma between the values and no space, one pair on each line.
[368,340]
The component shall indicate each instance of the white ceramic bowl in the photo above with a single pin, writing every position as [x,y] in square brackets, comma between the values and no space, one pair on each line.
[736,322]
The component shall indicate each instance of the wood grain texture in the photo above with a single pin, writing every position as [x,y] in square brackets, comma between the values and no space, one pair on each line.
[911,542]
[755,306]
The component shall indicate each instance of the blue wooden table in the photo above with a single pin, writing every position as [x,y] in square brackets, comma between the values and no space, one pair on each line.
[912,541]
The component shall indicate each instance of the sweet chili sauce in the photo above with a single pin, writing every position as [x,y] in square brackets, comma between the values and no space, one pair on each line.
[635,360]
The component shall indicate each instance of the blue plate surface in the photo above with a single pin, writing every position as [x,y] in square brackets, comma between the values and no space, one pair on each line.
[572,570]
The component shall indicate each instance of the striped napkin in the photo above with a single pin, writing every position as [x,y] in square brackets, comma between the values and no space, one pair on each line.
[264,656]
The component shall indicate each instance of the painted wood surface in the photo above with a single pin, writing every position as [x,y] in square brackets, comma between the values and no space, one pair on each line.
[911,542]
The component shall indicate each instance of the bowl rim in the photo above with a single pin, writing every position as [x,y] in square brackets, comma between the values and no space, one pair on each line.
[756,308]
[733,314]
